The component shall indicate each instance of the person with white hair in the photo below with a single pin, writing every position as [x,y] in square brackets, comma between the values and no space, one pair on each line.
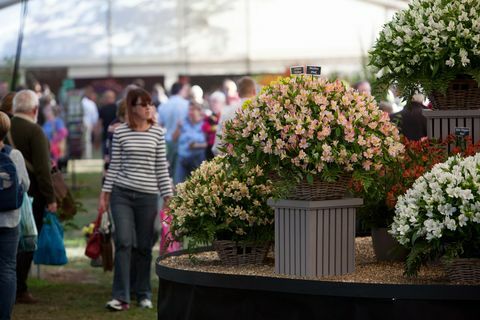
[196,94]
[363,87]
[28,137]
[209,127]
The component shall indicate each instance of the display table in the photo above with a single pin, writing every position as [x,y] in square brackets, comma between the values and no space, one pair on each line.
[186,294]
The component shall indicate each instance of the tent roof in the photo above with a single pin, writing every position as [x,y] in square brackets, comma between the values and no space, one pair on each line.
[201,36]
[7,3]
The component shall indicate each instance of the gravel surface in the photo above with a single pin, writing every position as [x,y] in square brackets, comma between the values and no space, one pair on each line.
[367,269]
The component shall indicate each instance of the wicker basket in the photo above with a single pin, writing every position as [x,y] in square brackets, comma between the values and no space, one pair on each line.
[321,190]
[233,253]
[462,93]
[463,270]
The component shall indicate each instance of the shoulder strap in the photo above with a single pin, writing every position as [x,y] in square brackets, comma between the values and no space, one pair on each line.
[6,149]
[12,143]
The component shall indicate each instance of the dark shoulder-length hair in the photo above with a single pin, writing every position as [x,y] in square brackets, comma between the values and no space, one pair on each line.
[132,97]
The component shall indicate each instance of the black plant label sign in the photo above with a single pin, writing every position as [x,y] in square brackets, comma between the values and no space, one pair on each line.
[297,70]
[314,70]
[462,131]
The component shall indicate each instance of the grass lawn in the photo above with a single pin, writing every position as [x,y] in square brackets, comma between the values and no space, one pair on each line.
[77,290]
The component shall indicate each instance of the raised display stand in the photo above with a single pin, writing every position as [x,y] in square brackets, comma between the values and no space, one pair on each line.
[441,123]
[315,238]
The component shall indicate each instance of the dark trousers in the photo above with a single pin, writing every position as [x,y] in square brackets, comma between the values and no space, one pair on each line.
[8,251]
[134,216]
[24,259]
[209,153]
[185,165]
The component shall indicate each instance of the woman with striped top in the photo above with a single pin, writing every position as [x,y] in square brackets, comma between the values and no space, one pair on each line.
[138,172]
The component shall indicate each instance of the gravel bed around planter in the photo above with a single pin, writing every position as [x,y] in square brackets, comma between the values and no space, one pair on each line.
[367,269]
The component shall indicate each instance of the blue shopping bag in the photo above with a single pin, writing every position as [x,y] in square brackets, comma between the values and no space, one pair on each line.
[50,246]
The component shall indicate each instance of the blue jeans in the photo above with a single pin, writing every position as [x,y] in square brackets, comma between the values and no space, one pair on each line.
[185,166]
[8,275]
[134,217]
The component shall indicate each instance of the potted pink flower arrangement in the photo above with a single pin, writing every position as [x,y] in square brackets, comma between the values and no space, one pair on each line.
[303,130]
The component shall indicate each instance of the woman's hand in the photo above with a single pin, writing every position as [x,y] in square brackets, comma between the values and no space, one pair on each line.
[166,202]
[104,201]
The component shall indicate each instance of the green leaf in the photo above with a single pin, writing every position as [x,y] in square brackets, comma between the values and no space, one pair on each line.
[415,236]
[310,178]
[434,68]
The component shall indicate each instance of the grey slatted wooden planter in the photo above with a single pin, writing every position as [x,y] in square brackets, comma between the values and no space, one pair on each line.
[441,123]
[315,238]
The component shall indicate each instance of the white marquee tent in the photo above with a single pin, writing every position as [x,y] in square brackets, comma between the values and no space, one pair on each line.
[98,38]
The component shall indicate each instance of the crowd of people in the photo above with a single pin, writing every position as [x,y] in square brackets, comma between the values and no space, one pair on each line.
[150,142]
[147,139]
[21,132]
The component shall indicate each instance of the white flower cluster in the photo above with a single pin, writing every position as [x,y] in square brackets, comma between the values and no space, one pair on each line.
[217,197]
[443,202]
[430,30]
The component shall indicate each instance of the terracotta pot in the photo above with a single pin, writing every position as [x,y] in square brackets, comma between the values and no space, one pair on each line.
[386,248]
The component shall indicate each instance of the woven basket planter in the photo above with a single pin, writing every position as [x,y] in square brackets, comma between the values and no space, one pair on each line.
[321,190]
[462,93]
[234,253]
[463,270]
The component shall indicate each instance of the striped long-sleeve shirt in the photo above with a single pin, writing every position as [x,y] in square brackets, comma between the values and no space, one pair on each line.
[138,161]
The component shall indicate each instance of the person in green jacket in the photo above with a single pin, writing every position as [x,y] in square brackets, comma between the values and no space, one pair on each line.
[28,137]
